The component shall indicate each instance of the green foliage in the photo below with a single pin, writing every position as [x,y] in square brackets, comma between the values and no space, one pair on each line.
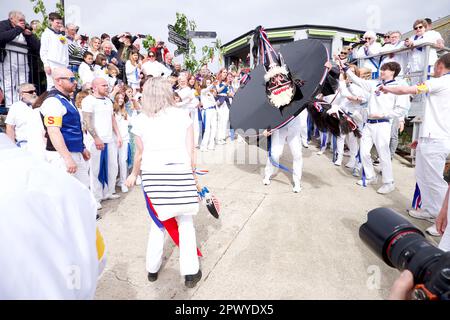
[182,26]
[39,7]
[148,42]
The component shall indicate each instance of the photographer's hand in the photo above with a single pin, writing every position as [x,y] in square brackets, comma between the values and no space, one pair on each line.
[403,287]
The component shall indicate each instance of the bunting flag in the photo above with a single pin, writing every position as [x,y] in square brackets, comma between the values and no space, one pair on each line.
[417,199]
[103,172]
[170,225]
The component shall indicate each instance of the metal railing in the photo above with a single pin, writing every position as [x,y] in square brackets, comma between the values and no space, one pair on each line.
[412,77]
[18,66]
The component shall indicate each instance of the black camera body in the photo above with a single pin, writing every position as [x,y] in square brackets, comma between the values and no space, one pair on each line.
[28,27]
[403,246]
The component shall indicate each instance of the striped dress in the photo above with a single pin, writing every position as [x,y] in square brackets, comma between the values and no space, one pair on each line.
[172,192]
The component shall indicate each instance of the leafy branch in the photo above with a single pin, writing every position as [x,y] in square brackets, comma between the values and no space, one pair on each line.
[39,7]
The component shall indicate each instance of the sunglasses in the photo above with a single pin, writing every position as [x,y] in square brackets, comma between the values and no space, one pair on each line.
[30,92]
[71,79]
[418,27]
[344,53]
[367,38]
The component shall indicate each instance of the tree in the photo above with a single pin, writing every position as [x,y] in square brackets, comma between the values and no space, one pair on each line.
[182,26]
[39,7]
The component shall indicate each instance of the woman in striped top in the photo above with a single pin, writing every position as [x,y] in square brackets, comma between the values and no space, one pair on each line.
[165,153]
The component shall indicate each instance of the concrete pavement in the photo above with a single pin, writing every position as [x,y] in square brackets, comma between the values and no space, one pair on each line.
[269,243]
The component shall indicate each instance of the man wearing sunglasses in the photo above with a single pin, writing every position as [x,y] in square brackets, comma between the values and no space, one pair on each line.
[65,147]
[19,115]
[369,48]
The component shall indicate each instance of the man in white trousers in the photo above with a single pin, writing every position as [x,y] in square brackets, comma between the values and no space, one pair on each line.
[65,148]
[304,127]
[47,231]
[102,126]
[290,133]
[54,47]
[433,146]
[381,109]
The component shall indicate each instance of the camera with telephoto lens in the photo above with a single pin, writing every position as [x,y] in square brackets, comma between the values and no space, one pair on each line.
[403,246]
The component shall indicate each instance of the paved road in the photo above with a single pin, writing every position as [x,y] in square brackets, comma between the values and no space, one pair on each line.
[269,242]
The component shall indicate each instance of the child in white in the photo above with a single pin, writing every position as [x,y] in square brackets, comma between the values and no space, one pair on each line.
[86,69]
[209,114]
[121,115]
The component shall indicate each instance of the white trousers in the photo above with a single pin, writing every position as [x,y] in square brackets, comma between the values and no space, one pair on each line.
[279,137]
[96,187]
[431,155]
[14,71]
[82,173]
[352,143]
[223,116]
[52,65]
[189,263]
[304,125]
[380,135]
[194,117]
[210,128]
[123,165]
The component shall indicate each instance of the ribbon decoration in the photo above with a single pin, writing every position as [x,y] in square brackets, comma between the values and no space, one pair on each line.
[129,156]
[170,225]
[417,199]
[272,160]
[103,171]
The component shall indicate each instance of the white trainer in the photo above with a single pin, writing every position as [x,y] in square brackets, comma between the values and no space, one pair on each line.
[266,181]
[421,214]
[124,188]
[138,180]
[338,162]
[297,188]
[112,197]
[432,231]
[99,206]
[351,163]
[386,188]
[368,181]
[305,143]
[320,152]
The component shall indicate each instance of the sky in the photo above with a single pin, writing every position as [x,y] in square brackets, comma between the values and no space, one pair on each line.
[232,18]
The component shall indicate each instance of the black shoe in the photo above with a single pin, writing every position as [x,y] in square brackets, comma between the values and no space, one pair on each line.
[152,277]
[98,217]
[191,280]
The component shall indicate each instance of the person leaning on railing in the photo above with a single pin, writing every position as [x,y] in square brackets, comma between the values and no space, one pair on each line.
[16,40]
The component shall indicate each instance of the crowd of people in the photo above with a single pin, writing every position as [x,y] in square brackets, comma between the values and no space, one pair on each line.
[105,97]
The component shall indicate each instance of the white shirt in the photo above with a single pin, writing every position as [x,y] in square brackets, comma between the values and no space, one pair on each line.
[19,116]
[363,52]
[132,73]
[163,137]
[189,101]
[417,56]
[20,39]
[100,72]
[47,230]
[207,98]
[122,123]
[102,108]
[85,73]
[155,69]
[387,105]
[436,119]
[54,48]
